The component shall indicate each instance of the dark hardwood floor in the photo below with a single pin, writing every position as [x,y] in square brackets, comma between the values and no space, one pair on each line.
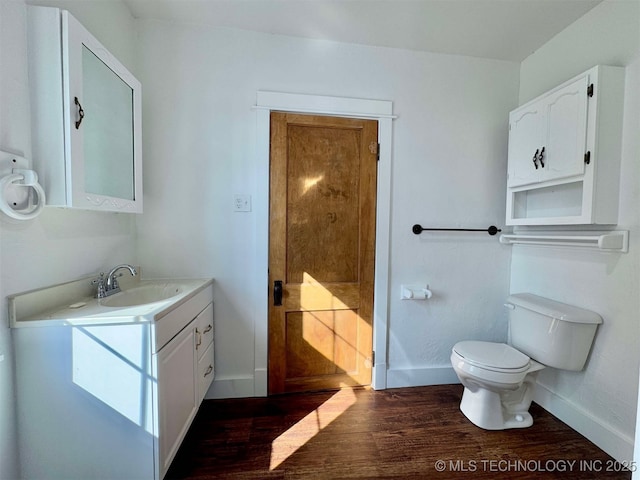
[408,433]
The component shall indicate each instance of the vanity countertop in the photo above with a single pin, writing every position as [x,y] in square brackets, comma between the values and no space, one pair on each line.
[73,303]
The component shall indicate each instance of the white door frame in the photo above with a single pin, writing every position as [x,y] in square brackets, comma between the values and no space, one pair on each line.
[380,110]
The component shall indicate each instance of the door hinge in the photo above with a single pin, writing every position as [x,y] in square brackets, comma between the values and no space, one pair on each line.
[590,90]
[373,358]
[587,158]
[378,154]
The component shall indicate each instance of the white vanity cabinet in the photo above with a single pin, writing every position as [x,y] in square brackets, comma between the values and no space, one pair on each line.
[181,388]
[86,117]
[107,397]
[564,152]
[177,394]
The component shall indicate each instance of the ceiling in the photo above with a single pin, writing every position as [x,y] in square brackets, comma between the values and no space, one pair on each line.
[500,29]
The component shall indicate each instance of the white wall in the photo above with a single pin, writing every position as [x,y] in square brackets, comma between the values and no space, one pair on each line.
[449,164]
[59,245]
[601,401]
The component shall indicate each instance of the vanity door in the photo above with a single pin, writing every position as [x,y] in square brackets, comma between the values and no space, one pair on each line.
[102,109]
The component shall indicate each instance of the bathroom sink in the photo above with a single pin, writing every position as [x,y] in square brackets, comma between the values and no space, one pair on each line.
[74,303]
[143,294]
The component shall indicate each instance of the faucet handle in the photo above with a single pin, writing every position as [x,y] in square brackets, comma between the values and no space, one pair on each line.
[114,280]
[101,290]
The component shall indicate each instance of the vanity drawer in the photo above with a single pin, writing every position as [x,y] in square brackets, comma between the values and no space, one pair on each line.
[204,330]
[170,323]
[206,371]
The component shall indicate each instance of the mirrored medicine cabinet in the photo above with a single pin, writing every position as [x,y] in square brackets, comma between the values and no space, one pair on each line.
[86,117]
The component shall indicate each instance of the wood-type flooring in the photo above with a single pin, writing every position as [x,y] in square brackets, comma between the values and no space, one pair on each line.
[408,433]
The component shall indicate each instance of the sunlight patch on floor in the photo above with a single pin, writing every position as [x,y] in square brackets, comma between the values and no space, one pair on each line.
[298,435]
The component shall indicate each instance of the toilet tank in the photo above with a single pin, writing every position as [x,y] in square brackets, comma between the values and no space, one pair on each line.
[553,333]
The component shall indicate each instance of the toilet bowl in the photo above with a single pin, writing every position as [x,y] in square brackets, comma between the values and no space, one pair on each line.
[499,379]
[499,383]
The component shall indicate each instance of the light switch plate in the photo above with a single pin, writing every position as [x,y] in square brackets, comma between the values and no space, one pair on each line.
[241,203]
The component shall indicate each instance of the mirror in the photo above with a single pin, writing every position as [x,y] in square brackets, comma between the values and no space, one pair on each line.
[108,130]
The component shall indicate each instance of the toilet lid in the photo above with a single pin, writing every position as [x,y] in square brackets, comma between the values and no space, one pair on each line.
[491,355]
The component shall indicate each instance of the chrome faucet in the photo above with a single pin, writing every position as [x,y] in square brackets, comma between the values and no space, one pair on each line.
[112,282]
[110,285]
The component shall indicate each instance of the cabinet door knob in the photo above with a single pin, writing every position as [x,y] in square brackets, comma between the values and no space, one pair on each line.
[541,157]
[80,112]
[535,158]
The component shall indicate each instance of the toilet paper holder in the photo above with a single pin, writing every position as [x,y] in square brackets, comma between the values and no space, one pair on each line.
[415,292]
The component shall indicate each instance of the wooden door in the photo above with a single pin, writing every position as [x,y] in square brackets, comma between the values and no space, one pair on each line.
[322,248]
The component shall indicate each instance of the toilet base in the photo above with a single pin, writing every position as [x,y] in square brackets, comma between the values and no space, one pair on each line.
[490,410]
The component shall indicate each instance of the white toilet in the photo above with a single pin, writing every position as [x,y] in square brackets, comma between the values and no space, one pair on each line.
[499,379]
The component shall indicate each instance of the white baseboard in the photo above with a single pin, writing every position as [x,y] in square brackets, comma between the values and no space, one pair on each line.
[615,443]
[232,387]
[379,376]
[250,386]
[260,378]
[417,377]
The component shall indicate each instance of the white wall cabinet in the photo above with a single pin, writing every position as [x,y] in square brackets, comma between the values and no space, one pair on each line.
[86,117]
[564,153]
[547,138]
[111,400]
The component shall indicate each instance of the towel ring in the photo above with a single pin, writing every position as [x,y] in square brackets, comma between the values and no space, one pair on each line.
[12,179]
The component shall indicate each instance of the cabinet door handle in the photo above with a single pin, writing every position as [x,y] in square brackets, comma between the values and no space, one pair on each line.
[80,112]
[541,157]
[277,293]
[209,370]
[535,158]
[208,329]
[198,339]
